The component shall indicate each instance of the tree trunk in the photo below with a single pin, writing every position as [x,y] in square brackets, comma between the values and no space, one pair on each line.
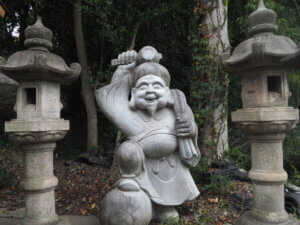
[216,25]
[87,91]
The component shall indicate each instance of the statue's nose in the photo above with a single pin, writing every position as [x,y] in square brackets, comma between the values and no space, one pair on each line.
[150,89]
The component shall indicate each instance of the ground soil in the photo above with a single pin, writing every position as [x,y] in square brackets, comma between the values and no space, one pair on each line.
[82,187]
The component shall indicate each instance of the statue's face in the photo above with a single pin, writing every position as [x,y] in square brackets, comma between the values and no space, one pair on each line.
[150,93]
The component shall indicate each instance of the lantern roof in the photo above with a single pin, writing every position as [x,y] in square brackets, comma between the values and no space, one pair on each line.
[263,47]
[7,85]
[37,63]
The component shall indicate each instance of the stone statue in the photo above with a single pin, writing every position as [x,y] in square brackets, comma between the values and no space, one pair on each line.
[162,142]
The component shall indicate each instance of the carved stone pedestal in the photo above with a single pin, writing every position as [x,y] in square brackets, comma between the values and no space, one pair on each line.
[266,129]
[38,141]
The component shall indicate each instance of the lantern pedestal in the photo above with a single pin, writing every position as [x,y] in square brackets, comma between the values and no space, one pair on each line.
[266,129]
[38,140]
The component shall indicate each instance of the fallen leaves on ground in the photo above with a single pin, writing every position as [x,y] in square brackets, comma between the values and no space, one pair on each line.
[82,187]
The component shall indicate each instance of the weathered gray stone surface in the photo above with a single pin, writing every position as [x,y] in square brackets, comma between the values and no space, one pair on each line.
[266,117]
[162,141]
[7,85]
[78,220]
[38,63]
[38,125]
[63,220]
[16,214]
[248,219]
[293,59]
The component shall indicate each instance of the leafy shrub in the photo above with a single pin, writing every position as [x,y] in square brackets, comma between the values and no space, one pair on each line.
[219,184]
[211,182]
[5,178]
[291,156]
[240,155]
[292,140]
[239,150]
[200,171]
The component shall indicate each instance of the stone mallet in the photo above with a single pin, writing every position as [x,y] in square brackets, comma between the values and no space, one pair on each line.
[146,54]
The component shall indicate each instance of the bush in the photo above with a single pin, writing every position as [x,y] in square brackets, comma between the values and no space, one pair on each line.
[212,182]
[292,140]
[5,178]
[239,150]
[219,184]
[291,156]
[199,172]
[240,155]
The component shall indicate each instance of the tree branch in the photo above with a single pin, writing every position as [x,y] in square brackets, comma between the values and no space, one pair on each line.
[136,29]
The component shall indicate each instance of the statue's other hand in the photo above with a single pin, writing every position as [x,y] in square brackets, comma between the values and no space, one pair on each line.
[184,128]
[127,60]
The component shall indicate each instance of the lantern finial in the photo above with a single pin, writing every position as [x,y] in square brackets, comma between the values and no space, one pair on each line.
[38,36]
[262,20]
[261,4]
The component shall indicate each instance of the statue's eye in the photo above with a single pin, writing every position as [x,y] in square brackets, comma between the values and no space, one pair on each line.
[142,87]
[157,85]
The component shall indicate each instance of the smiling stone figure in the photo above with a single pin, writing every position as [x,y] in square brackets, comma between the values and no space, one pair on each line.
[161,142]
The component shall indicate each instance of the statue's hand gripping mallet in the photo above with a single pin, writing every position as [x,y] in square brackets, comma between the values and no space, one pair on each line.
[146,54]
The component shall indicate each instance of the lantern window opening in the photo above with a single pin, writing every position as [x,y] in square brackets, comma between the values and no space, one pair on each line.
[30,95]
[274,83]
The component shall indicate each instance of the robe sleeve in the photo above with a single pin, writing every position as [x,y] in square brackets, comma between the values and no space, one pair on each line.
[113,101]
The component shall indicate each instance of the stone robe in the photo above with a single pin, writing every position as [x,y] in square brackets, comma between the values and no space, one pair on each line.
[164,177]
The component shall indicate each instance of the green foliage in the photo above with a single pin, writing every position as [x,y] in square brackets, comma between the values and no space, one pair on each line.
[67,150]
[292,140]
[200,171]
[294,86]
[203,218]
[171,222]
[292,155]
[219,184]
[5,178]
[209,83]
[240,155]
[175,28]
[5,146]
[212,182]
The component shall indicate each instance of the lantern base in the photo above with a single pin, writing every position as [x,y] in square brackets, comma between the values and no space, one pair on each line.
[248,219]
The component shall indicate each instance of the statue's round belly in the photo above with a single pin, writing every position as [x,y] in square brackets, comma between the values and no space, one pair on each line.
[158,145]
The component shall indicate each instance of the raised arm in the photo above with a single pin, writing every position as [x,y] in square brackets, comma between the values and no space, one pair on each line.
[113,99]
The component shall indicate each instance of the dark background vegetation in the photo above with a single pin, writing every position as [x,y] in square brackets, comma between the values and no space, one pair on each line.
[169,26]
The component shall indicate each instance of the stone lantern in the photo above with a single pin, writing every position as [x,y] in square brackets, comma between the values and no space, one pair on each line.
[38,125]
[265,116]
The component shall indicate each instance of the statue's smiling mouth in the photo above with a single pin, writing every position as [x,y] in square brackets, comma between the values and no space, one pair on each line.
[150,98]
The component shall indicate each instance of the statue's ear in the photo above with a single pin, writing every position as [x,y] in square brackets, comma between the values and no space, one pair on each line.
[132,105]
[170,98]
